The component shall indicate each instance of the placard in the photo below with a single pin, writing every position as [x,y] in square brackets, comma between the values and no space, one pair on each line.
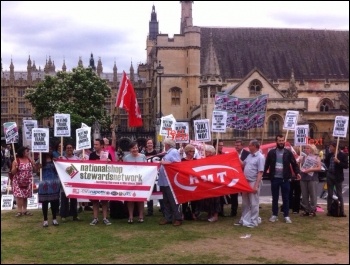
[340,126]
[62,125]
[11,132]
[219,119]
[40,140]
[291,120]
[301,134]
[202,130]
[7,202]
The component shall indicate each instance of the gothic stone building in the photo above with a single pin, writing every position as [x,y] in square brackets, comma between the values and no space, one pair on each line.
[300,69]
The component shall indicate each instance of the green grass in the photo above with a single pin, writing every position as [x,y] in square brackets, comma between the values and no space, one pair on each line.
[24,240]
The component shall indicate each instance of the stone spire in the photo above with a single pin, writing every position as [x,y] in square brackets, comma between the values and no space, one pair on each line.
[92,63]
[153,25]
[64,67]
[132,73]
[80,62]
[186,15]
[115,73]
[99,66]
[292,91]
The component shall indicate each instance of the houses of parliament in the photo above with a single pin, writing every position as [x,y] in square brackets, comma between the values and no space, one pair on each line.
[305,70]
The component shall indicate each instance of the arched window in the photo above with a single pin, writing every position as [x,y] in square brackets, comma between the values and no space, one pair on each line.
[175,95]
[326,105]
[255,88]
[274,126]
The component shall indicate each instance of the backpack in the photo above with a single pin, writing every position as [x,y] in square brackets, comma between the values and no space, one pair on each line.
[335,209]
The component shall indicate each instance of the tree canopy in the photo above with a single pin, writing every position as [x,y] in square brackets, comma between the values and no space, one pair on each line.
[80,93]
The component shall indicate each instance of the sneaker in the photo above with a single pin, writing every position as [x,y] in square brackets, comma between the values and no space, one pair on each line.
[273,218]
[249,226]
[94,221]
[287,219]
[54,222]
[106,221]
[46,224]
[238,223]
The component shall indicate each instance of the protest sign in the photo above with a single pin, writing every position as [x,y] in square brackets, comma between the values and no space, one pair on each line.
[301,134]
[309,162]
[340,126]
[219,119]
[182,130]
[40,140]
[62,125]
[11,132]
[6,202]
[102,180]
[28,125]
[83,136]
[167,125]
[202,130]
[33,202]
[290,120]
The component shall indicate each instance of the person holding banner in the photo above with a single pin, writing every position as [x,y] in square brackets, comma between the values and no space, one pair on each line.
[49,188]
[171,210]
[68,206]
[278,165]
[311,164]
[97,155]
[22,180]
[135,156]
[336,163]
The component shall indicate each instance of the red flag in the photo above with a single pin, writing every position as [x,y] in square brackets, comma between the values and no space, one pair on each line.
[126,99]
[205,178]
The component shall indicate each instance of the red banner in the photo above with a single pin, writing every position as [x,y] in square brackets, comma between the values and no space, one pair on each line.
[205,178]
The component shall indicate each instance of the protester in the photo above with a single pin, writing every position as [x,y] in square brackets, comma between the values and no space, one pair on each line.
[253,171]
[336,163]
[242,153]
[109,145]
[219,145]
[49,189]
[96,155]
[189,151]
[279,162]
[171,209]
[295,189]
[150,151]
[135,156]
[311,164]
[22,169]
[69,206]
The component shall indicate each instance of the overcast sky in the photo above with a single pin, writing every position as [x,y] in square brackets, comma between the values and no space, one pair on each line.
[117,31]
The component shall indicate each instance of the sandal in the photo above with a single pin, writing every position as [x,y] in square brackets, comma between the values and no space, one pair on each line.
[140,220]
[27,213]
[18,214]
[130,221]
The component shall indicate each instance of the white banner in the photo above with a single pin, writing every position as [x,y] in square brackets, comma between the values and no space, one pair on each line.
[40,140]
[99,180]
[202,130]
[301,134]
[6,202]
[340,126]
[219,119]
[28,125]
[83,136]
[291,120]
[62,125]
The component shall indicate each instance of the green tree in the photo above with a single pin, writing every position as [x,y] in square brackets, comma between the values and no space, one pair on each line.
[80,93]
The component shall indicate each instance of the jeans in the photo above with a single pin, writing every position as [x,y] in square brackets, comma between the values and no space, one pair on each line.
[338,186]
[276,184]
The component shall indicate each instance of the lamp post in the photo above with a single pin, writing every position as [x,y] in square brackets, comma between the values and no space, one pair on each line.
[160,71]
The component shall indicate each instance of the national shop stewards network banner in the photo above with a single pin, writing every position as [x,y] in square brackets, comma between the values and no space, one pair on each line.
[101,180]
[205,178]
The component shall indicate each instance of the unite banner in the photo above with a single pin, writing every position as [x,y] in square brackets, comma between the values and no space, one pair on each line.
[102,180]
[206,178]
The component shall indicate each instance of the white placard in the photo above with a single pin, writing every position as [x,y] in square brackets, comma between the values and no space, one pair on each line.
[28,125]
[202,130]
[40,140]
[340,126]
[7,202]
[33,202]
[83,136]
[291,120]
[301,134]
[167,125]
[219,121]
[182,130]
[62,125]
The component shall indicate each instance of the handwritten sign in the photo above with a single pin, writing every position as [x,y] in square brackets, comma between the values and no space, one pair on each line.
[340,126]
[62,125]
[219,119]
[291,120]
[202,130]
[40,140]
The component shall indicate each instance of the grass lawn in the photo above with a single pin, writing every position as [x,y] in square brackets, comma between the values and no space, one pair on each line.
[319,239]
